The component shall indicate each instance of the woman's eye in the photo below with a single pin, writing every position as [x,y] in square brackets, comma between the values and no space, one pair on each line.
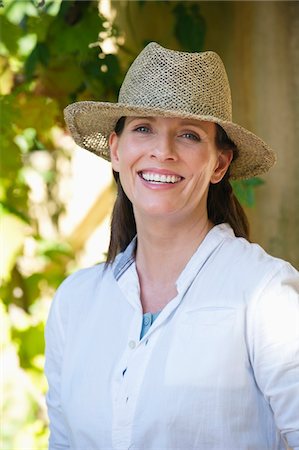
[142,129]
[191,136]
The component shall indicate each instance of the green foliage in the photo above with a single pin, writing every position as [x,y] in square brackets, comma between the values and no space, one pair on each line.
[30,343]
[245,190]
[190,26]
[45,63]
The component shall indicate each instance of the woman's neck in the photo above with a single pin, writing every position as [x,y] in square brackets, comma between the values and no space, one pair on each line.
[163,250]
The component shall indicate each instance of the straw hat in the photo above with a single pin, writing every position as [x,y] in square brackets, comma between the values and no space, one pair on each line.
[169,83]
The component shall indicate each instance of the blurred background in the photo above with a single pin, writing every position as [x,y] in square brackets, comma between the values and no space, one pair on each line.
[56,199]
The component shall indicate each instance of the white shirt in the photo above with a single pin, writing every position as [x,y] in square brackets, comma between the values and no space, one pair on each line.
[217,370]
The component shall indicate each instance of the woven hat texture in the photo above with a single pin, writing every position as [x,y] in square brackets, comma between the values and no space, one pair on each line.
[169,83]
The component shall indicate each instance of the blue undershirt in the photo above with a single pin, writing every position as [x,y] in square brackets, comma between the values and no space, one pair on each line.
[148,319]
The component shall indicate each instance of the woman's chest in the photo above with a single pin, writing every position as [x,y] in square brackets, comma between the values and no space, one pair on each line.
[190,353]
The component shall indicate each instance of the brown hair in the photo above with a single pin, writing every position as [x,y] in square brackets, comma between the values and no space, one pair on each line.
[222,204]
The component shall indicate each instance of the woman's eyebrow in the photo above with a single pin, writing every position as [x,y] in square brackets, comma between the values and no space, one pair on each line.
[191,122]
[131,118]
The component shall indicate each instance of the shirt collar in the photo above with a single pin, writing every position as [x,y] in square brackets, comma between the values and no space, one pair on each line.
[204,252]
[125,259]
[212,240]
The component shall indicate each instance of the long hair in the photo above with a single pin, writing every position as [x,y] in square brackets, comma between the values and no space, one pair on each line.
[222,204]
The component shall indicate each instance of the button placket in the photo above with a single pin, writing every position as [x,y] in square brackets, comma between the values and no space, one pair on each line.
[129,391]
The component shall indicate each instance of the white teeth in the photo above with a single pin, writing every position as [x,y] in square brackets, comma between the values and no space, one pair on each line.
[157,178]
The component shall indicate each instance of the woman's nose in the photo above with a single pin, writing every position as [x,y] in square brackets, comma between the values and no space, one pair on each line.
[164,150]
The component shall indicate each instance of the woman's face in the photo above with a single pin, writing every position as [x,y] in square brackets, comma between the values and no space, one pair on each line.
[166,165]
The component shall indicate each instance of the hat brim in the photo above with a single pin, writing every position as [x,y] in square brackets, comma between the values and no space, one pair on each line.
[90,124]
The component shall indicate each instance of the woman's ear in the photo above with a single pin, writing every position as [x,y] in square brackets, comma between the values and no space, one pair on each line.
[113,146]
[224,159]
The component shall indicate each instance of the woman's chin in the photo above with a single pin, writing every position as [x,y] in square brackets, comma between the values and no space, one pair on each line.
[157,210]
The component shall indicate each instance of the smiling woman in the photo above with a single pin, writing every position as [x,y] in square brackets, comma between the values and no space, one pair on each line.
[222,205]
[186,314]
[162,147]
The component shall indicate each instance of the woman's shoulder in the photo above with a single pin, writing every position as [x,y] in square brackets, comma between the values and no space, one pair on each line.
[80,291]
[250,261]
[87,275]
[83,284]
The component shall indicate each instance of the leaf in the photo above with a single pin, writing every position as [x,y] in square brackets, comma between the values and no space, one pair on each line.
[30,342]
[10,157]
[17,196]
[61,78]
[6,76]
[9,208]
[76,38]
[54,250]
[10,35]
[190,27]
[33,285]
[37,112]
[31,63]
[9,112]
[39,55]
[16,11]
[245,190]
[110,77]
[40,25]
[14,230]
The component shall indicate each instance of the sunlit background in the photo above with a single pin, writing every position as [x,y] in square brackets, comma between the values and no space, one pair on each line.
[56,198]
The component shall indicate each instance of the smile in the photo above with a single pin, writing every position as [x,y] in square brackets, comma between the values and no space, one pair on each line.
[158,178]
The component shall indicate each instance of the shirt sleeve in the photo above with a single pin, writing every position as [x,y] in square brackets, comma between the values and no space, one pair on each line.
[274,346]
[55,339]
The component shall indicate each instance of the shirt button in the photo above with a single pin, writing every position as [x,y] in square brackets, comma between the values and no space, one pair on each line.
[132,344]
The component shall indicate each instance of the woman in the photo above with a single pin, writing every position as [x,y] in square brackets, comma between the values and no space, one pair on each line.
[188,336]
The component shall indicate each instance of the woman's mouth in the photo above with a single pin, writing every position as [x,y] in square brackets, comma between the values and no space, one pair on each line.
[157,178]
